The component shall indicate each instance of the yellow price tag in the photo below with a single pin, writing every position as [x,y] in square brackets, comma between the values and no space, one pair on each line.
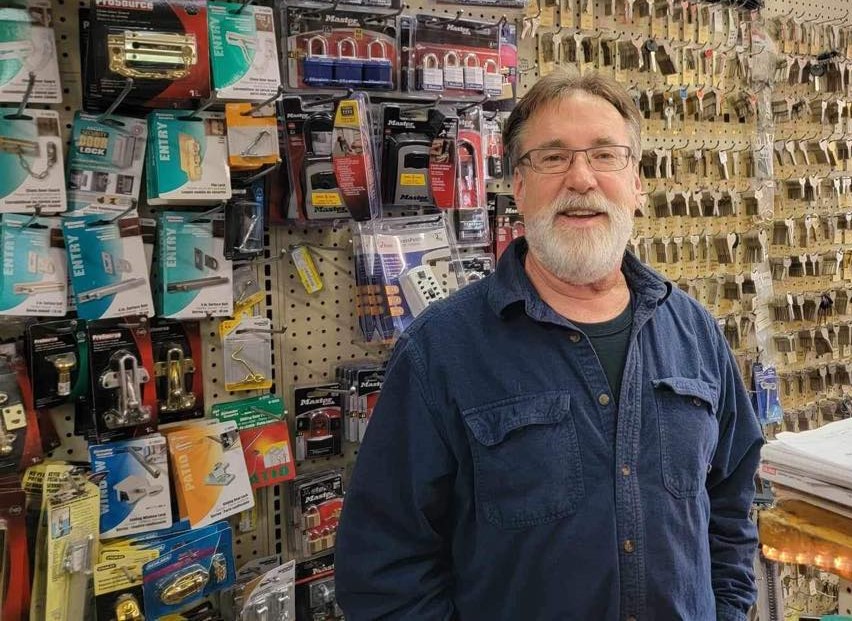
[412,179]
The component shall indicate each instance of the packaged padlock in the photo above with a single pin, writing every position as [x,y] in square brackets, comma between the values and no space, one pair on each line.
[315,592]
[471,213]
[354,158]
[457,57]
[317,504]
[340,49]
[319,426]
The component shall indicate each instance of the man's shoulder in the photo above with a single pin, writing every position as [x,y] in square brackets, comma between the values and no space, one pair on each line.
[455,314]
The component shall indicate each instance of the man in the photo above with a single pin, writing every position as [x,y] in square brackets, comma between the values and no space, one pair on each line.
[568,439]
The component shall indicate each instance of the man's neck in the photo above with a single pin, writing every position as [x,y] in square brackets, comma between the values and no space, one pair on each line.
[592,303]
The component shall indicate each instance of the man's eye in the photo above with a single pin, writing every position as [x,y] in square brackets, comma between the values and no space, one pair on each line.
[554,157]
[604,155]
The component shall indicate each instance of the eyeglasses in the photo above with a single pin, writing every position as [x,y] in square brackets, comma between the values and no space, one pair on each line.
[552,161]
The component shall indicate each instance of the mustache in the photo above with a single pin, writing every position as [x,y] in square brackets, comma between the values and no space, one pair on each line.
[569,203]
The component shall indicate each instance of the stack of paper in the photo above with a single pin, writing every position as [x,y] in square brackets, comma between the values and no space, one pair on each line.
[817,462]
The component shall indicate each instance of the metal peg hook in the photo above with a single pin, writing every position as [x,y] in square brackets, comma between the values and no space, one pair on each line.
[128,86]
[242,7]
[261,174]
[124,212]
[36,214]
[27,94]
[255,107]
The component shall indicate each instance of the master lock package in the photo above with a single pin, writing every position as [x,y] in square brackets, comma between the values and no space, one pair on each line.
[124,399]
[28,45]
[309,128]
[177,369]
[34,278]
[106,259]
[31,161]
[317,500]
[318,411]
[340,48]
[161,44]
[458,57]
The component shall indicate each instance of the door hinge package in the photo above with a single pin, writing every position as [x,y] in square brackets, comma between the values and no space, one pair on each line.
[161,44]
[212,482]
[106,259]
[105,162]
[31,161]
[124,400]
[194,277]
[187,161]
[177,369]
[134,486]
[243,51]
[28,45]
[34,280]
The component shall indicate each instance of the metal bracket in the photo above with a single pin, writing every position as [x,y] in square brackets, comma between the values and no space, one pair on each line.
[152,55]
[174,368]
[220,475]
[198,283]
[128,378]
[34,288]
[190,156]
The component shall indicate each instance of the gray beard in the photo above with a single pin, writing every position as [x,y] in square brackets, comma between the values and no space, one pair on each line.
[581,256]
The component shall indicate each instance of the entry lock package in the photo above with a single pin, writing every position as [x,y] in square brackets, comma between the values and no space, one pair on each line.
[187,161]
[194,275]
[106,258]
[243,51]
[135,495]
[31,161]
[161,44]
[105,162]
[28,45]
[212,480]
[35,277]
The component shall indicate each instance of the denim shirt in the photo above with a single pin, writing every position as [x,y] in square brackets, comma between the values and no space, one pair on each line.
[498,480]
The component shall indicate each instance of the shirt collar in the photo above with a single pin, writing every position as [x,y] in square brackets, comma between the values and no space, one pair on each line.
[510,285]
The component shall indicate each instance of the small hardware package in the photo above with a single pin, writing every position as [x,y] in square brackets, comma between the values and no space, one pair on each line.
[317,502]
[243,51]
[187,161]
[20,434]
[247,348]
[212,482]
[28,45]
[265,437]
[31,161]
[58,361]
[124,402]
[161,44]
[105,162]
[273,592]
[194,277]
[135,495]
[315,593]
[252,136]
[177,369]
[106,259]
[34,280]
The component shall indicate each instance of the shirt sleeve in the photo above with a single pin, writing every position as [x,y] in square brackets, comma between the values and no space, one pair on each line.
[730,486]
[393,551]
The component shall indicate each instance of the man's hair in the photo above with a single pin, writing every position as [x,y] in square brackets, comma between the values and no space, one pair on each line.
[560,85]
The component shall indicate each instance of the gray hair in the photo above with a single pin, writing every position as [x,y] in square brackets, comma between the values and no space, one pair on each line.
[558,86]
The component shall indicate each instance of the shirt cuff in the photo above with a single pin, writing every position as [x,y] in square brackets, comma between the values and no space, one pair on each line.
[726,612]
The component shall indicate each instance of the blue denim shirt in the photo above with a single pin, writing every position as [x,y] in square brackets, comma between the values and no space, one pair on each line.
[498,481]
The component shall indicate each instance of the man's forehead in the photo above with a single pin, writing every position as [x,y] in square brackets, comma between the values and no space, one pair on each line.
[546,120]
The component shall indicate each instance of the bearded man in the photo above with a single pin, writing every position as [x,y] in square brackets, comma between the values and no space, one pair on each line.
[570,438]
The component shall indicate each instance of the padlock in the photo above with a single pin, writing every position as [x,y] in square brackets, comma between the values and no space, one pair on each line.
[378,70]
[472,73]
[348,70]
[430,76]
[318,69]
[453,74]
[492,78]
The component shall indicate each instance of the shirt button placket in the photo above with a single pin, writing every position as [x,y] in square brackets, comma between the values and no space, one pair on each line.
[625,470]
[574,337]
[628,546]
[603,399]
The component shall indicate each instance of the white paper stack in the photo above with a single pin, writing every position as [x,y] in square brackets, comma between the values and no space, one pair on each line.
[817,462]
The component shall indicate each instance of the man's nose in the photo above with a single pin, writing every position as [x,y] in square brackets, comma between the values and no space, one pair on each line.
[580,177]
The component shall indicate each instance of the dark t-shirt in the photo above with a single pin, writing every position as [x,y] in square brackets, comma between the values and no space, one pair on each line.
[610,340]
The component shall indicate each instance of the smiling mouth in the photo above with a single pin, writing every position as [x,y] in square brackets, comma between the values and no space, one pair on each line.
[581,213]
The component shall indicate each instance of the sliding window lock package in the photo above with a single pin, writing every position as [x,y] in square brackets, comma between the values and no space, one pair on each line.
[31,161]
[28,46]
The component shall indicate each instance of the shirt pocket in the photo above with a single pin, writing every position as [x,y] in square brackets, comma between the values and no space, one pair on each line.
[689,432]
[527,465]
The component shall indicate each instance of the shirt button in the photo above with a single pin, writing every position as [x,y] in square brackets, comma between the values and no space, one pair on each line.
[625,470]
[697,402]
[574,337]
[603,399]
[628,546]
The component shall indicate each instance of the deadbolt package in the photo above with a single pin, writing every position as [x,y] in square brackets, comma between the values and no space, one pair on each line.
[161,44]
[34,279]
[31,161]
[106,260]
[243,51]
[193,275]
[124,399]
[105,161]
[178,374]
[340,49]
[135,495]
[28,45]
[459,58]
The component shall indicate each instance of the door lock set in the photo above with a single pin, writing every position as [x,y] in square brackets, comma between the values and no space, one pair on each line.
[127,376]
[152,55]
[174,369]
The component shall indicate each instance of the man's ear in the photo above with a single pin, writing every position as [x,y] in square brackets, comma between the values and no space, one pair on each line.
[518,188]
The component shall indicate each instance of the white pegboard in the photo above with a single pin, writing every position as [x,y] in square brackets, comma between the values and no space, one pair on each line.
[844,598]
